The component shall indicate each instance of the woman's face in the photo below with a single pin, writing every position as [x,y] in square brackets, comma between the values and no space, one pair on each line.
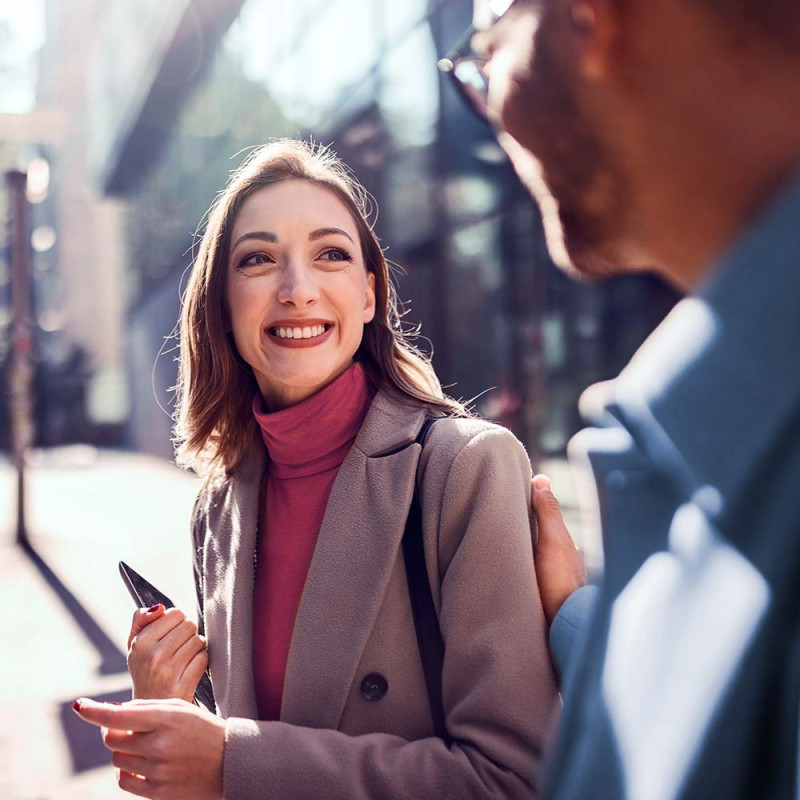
[298,293]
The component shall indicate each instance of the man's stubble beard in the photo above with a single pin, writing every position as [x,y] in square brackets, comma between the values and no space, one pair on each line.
[580,190]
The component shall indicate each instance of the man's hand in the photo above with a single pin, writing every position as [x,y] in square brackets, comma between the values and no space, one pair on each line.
[164,749]
[560,568]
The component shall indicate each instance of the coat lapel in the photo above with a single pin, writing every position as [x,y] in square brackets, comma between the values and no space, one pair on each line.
[236,692]
[356,550]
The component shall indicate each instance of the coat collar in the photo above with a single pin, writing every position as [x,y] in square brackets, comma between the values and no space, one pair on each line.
[355,552]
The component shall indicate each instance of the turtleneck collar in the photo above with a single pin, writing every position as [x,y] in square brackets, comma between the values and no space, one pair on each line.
[315,434]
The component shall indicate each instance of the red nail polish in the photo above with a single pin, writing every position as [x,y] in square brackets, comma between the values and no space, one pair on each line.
[77,705]
[154,608]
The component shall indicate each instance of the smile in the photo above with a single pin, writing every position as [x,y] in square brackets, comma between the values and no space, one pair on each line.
[287,333]
[299,333]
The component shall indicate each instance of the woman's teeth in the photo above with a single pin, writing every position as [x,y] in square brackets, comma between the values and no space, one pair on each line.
[300,333]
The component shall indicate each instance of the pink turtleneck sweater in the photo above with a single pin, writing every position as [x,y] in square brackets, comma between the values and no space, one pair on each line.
[306,443]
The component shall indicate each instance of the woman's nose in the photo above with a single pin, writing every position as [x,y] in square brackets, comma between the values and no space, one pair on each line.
[298,287]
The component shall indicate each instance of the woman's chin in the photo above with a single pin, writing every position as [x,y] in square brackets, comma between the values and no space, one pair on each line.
[293,386]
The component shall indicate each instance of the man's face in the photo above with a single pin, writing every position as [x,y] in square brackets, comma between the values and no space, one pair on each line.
[552,139]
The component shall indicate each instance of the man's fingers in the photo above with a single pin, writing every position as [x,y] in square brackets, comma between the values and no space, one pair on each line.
[134,716]
[549,519]
[559,565]
[542,497]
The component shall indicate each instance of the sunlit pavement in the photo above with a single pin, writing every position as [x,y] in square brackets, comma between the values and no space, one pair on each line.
[66,613]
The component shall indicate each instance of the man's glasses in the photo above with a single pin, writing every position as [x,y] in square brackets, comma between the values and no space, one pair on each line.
[466,67]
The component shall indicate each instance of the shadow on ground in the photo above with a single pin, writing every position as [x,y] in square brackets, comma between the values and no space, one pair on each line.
[112,659]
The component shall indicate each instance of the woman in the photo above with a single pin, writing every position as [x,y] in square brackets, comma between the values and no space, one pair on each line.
[301,403]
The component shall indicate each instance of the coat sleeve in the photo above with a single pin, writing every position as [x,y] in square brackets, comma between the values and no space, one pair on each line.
[498,686]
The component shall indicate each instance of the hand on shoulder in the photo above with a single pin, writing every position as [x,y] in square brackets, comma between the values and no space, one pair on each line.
[560,569]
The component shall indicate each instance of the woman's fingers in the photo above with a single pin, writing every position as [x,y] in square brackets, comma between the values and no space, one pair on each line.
[123,741]
[180,746]
[143,617]
[193,646]
[134,784]
[133,716]
[158,628]
[136,765]
[194,671]
[173,642]
[156,667]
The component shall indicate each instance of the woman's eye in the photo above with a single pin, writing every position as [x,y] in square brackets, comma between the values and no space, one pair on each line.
[336,254]
[256,259]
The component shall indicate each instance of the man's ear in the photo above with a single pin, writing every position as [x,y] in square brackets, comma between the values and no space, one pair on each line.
[595,26]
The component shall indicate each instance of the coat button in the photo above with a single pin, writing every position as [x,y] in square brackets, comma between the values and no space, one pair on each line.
[374,687]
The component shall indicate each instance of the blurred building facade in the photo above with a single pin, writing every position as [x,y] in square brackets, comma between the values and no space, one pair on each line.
[177,90]
[80,390]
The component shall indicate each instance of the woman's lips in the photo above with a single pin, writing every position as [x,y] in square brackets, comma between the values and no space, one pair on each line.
[291,338]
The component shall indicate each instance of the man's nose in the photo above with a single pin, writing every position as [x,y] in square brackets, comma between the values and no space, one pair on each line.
[298,286]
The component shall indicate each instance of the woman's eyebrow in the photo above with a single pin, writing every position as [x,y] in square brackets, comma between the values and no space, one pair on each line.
[320,233]
[262,236]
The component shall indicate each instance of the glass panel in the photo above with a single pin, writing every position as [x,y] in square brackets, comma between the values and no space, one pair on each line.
[479,328]
[307,54]
[409,96]
[409,204]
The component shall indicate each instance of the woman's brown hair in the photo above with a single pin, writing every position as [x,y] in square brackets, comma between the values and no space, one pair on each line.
[214,425]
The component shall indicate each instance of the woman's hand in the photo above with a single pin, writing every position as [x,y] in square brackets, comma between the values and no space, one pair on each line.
[166,657]
[164,749]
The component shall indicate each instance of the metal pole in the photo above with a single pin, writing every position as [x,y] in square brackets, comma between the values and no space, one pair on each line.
[21,339]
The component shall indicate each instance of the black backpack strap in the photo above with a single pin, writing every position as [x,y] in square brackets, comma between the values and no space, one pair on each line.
[426,622]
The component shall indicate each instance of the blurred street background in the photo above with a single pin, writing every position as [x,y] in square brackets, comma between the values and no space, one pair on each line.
[119,122]
[67,613]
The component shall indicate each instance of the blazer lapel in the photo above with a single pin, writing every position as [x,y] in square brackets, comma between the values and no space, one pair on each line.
[236,693]
[357,547]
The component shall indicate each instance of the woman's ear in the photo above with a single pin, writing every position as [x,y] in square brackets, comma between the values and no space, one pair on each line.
[369,298]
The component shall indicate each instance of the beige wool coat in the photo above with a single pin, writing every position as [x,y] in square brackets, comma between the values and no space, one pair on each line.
[355,620]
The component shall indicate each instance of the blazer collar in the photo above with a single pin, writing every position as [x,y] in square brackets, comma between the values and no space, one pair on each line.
[391,424]
[355,553]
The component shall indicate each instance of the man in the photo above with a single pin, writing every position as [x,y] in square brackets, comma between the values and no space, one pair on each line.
[665,135]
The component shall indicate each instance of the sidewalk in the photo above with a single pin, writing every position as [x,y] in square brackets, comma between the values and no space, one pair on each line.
[66,613]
